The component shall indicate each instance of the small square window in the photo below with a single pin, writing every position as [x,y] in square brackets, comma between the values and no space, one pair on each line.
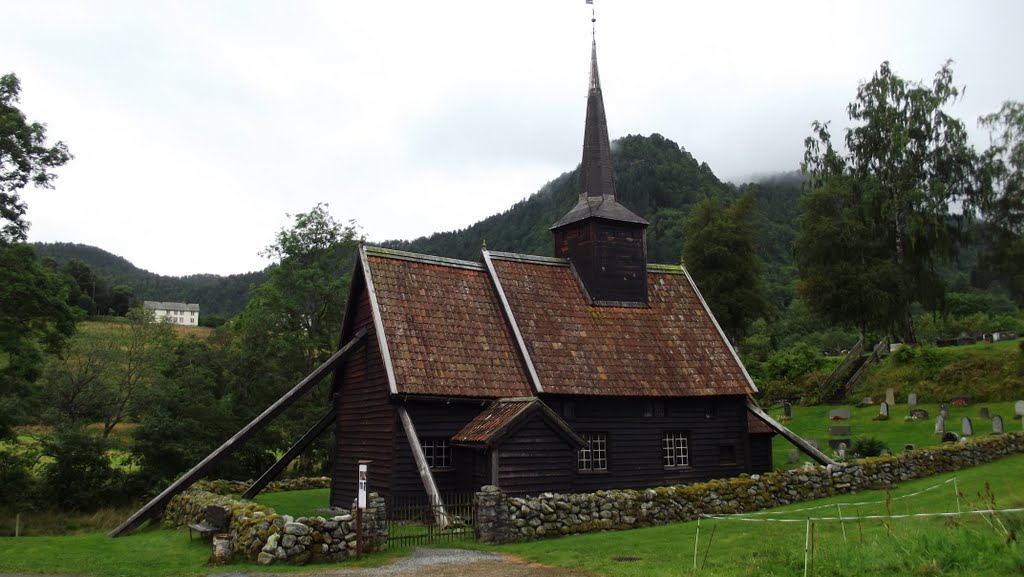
[593,457]
[675,450]
[438,453]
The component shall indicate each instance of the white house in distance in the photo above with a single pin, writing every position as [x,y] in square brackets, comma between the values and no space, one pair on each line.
[177,313]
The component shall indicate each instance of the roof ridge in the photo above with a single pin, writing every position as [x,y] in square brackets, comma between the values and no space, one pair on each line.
[372,250]
[529,258]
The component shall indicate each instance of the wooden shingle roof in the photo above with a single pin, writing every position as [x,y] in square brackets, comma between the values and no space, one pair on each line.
[673,348]
[521,325]
[443,327]
[490,427]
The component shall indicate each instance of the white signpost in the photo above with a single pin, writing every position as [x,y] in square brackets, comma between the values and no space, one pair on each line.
[361,502]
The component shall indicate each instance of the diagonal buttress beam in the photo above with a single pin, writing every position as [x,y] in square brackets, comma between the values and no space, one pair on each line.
[790,436]
[305,441]
[155,506]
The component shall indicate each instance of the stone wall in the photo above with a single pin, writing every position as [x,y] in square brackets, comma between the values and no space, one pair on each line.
[223,487]
[503,519]
[261,534]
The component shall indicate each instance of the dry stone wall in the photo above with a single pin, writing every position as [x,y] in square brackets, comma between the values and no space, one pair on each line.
[503,519]
[261,534]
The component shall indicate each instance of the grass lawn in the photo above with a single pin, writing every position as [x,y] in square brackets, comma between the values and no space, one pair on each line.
[813,423]
[297,503]
[965,547]
[147,553]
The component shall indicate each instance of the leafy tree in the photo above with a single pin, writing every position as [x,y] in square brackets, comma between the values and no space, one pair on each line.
[719,254]
[293,321]
[907,162]
[34,319]
[106,370]
[79,475]
[1001,201]
[188,415]
[24,157]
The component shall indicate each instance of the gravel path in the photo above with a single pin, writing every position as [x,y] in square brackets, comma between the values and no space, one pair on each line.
[442,563]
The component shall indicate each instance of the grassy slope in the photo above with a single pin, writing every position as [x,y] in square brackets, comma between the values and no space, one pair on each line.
[915,547]
[297,503]
[994,372]
[813,423]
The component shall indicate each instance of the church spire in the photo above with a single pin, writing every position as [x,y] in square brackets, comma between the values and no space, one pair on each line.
[596,176]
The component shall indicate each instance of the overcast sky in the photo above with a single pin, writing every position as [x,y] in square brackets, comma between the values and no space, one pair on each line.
[197,126]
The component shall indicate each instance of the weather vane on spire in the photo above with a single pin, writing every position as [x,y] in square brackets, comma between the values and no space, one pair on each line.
[593,19]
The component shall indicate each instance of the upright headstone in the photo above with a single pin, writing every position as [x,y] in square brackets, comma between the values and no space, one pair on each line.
[890,396]
[787,409]
[841,451]
[794,457]
[966,427]
[912,399]
[940,425]
[1018,408]
[983,413]
[997,425]
[883,410]
[944,411]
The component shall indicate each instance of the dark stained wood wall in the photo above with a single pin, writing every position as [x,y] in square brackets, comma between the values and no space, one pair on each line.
[438,420]
[610,258]
[634,440]
[536,459]
[761,453]
[366,425]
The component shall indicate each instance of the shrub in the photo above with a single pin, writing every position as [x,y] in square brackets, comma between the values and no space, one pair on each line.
[15,478]
[80,477]
[867,447]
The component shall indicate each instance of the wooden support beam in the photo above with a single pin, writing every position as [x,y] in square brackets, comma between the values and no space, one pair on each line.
[790,436]
[311,435]
[421,463]
[157,504]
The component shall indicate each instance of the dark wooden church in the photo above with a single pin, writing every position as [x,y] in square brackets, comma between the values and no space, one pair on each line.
[591,370]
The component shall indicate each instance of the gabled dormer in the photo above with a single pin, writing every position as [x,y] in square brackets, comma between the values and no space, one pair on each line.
[605,242]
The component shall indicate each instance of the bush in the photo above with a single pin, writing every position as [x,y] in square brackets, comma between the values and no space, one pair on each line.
[15,478]
[80,477]
[867,447]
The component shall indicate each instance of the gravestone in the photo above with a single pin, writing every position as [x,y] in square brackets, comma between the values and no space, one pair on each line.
[950,437]
[912,399]
[997,425]
[1018,408]
[919,414]
[940,425]
[794,457]
[839,430]
[841,451]
[839,415]
[890,396]
[885,452]
[787,409]
[966,427]
[812,442]
[909,447]
[835,444]
[983,413]
[944,411]
[883,410]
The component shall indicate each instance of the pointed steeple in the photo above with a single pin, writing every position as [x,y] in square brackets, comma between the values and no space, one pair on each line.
[596,176]
[605,242]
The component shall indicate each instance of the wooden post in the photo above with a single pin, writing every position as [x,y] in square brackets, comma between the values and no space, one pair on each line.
[421,463]
[157,504]
[305,441]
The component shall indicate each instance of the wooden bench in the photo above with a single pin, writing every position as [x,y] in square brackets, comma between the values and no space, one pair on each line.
[215,521]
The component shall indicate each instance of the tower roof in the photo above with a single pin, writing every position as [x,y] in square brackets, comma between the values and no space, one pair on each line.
[597,177]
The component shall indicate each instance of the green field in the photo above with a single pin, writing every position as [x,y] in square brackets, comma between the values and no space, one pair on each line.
[813,423]
[969,546]
[297,503]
